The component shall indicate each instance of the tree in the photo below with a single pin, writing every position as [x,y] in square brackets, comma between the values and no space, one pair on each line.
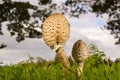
[2,46]
[16,13]
[112,8]
[24,18]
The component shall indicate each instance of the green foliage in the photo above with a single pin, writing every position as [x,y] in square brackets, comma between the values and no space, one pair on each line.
[94,69]
[32,71]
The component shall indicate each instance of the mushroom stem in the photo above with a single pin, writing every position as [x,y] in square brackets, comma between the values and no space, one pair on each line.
[63,57]
[80,69]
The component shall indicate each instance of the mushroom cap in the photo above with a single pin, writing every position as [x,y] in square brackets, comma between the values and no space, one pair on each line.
[55,30]
[80,51]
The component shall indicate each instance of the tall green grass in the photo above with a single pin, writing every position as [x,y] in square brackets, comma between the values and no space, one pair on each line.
[95,68]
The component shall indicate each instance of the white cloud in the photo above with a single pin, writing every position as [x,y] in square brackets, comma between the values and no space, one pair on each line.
[20,51]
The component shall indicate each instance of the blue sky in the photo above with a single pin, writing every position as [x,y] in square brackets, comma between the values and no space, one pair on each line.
[87,28]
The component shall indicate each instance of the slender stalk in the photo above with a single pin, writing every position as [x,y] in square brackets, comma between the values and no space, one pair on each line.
[80,69]
[63,57]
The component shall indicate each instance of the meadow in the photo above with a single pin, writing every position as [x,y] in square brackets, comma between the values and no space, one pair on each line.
[96,67]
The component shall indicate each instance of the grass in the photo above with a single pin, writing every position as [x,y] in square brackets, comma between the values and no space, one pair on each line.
[95,68]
